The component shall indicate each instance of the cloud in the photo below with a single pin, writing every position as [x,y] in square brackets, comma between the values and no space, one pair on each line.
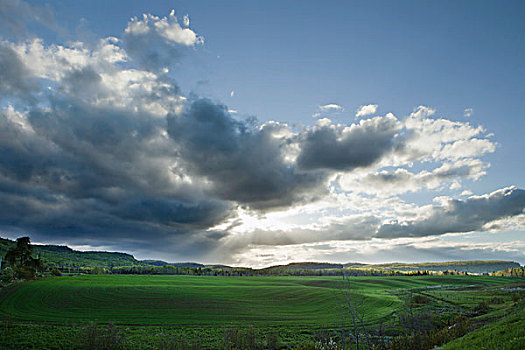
[346,148]
[381,251]
[498,211]
[365,110]
[330,108]
[101,160]
[241,164]
[357,227]
[155,42]
[388,183]
[468,112]
[429,138]
[165,27]
[14,77]
[454,215]
[16,16]
[186,20]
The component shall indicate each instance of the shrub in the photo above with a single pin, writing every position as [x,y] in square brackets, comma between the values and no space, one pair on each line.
[419,299]
[56,272]
[518,296]
[26,272]
[96,339]
[307,346]
[272,341]
[238,339]
[7,275]
[180,342]
[496,300]
[418,320]
[482,308]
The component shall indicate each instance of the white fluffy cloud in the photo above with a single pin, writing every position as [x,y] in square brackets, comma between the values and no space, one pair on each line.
[155,43]
[366,110]
[389,183]
[330,108]
[167,27]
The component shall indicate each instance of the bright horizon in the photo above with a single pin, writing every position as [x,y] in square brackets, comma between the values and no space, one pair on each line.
[257,134]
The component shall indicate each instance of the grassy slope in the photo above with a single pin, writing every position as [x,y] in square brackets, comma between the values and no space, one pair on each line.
[189,300]
[152,308]
[507,333]
[198,300]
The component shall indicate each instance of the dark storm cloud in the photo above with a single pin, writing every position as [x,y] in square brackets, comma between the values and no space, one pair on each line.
[77,170]
[13,75]
[23,154]
[169,211]
[244,164]
[360,145]
[461,215]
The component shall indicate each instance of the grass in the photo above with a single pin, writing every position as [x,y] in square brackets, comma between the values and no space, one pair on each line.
[507,333]
[54,311]
[173,300]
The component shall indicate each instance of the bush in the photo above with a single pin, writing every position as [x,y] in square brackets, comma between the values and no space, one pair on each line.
[97,339]
[307,346]
[430,339]
[272,341]
[419,299]
[519,295]
[238,339]
[7,275]
[56,272]
[496,300]
[418,320]
[482,308]
[180,342]
[26,272]
[97,270]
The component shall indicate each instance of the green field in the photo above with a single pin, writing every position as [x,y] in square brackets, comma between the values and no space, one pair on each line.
[146,305]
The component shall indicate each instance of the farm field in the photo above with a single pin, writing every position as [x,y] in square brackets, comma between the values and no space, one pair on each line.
[51,312]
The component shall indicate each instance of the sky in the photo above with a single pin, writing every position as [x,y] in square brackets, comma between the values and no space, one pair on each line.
[260,133]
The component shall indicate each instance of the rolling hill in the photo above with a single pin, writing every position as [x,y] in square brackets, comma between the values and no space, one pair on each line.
[63,256]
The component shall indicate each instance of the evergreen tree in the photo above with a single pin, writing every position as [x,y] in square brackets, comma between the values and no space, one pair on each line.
[20,259]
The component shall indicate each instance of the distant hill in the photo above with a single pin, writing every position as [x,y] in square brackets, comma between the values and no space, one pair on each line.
[460,266]
[295,267]
[63,256]
[473,266]
[163,263]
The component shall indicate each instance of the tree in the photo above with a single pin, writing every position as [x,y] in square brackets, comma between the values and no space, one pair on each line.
[354,305]
[20,259]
